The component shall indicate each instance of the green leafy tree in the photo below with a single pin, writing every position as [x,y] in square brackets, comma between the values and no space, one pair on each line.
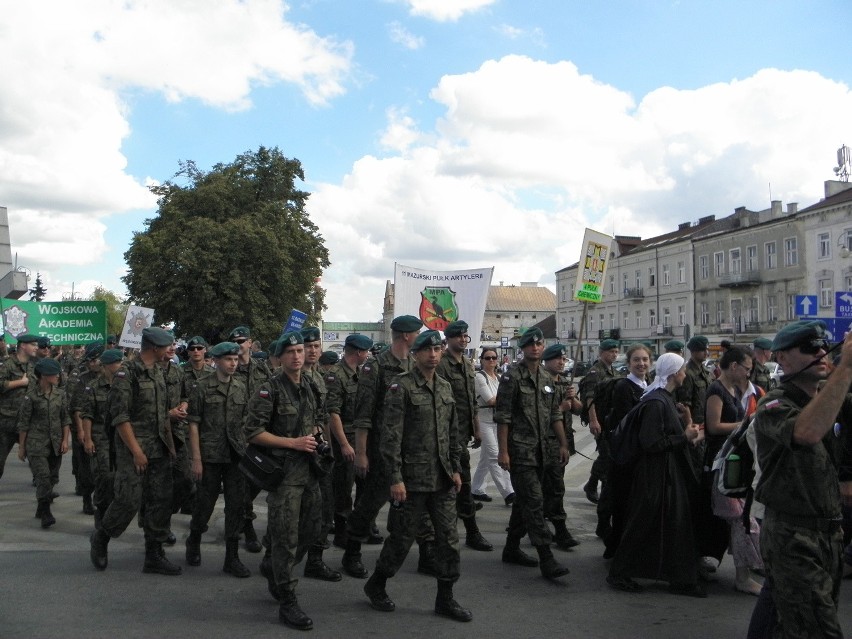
[231,246]
[116,309]
[38,292]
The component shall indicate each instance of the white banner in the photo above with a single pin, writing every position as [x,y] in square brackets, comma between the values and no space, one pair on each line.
[137,319]
[441,297]
[591,272]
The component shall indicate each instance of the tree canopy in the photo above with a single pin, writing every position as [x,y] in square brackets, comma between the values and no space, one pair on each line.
[233,246]
[116,309]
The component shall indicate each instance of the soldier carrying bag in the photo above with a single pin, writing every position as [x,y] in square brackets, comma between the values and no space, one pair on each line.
[262,469]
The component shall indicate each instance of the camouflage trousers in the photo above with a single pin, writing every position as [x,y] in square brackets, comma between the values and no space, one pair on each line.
[153,487]
[465,506]
[8,439]
[326,485]
[214,475]
[553,492]
[528,509]
[101,469]
[805,567]
[80,467]
[45,470]
[600,467]
[293,526]
[405,519]
[343,479]
[183,486]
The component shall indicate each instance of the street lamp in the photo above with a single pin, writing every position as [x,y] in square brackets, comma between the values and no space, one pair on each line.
[843,243]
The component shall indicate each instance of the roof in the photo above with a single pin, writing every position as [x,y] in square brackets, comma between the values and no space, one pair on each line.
[832,200]
[547,326]
[520,298]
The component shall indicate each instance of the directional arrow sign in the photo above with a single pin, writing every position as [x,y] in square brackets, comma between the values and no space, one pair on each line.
[806,305]
[843,304]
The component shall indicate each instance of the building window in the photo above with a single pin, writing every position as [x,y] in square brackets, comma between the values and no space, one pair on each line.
[736,261]
[681,272]
[612,320]
[791,252]
[826,292]
[652,318]
[667,317]
[573,327]
[638,319]
[791,307]
[591,321]
[824,246]
[652,276]
[564,294]
[771,255]
[705,314]
[719,264]
[771,308]
[681,315]
[720,312]
[666,275]
[626,285]
[704,267]
[751,259]
[753,309]
[625,320]
[612,283]
[847,242]
[847,282]
[638,279]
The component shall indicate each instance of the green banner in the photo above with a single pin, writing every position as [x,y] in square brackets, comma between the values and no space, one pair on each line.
[64,323]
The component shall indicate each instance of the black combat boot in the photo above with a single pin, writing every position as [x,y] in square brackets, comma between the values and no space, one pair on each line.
[591,490]
[426,563]
[98,553]
[512,554]
[550,568]
[233,565]
[39,508]
[563,539]
[193,548]
[446,606]
[291,614]
[351,561]
[88,507]
[156,562]
[316,568]
[340,536]
[47,519]
[375,590]
[375,537]
[474,538]
[252,542]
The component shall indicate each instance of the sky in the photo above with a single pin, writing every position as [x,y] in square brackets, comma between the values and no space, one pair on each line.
[439,134]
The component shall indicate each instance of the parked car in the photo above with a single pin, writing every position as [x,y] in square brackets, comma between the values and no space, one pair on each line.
[581,368]
[775,374]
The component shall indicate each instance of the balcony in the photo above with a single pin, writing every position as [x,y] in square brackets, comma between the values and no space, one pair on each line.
[635,294]
[737,280]
[664,330]
[613,333]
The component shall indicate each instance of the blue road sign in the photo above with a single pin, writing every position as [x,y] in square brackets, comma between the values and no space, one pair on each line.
[837,327]
[296,321]
[843,304]
[806,305]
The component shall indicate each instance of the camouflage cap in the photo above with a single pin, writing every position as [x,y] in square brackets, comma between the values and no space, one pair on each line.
[608,344]
[361,342]
[530,336]
[310,334]
[426,339]
[239,331]
[553,351]
[797,333]
[455,329]
[158,336]
[224,348]
[48,366]
[698,343]
[112,355]
[406,324]
[328,358]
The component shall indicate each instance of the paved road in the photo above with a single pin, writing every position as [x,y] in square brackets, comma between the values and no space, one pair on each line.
[49,588]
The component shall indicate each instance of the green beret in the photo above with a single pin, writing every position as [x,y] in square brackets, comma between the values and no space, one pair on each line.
[112,355]
[272,346]
[427,339]
[454,329]
[673,346]
[698,343]
[259,355]
[763,342]
[406,324]
[157,336]
[239,331]
[112,339]
[310,334]
[48,366]
[608,344]
[291,338]
[329,357]
[44,342]
[530,335]
[553,351]
[93,350]
[197,341]
[224,348]
[361,342]
[797,333]
[27,338]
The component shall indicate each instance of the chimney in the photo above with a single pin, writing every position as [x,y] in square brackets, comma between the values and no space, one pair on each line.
[683,225]
[706,219]
[776,208]
[792,208]
[833,187]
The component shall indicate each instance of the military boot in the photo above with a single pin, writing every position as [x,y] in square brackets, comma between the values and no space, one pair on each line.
[88,507]
[47,519]
[39,508]
[375,590]
[291,614]
[563,539]
[252,542]
[233,565]
[269,574]
[550,568]
[446,606]
[98,553]
[339,531]
[351,561]
[426,562]
[99,516]
[474,538]
[316,568]
[512,554]
[156,562]
[193,548]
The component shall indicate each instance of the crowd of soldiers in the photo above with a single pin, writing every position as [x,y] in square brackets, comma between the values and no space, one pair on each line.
[152,437]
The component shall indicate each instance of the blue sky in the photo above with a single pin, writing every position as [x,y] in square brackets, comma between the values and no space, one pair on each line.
[435,133]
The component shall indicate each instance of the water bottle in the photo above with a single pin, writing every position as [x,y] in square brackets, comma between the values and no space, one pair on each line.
[733,471]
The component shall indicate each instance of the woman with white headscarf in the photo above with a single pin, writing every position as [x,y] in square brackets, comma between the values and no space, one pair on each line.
[658,541]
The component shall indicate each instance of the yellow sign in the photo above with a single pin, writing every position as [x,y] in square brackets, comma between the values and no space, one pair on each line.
[591,270]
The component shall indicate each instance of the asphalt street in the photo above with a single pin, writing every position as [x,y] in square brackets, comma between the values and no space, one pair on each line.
[50,589]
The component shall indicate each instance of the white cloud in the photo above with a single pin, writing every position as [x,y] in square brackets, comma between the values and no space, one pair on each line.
[445,10]
[535,35]
[529,153]
[403,36]
[401,132]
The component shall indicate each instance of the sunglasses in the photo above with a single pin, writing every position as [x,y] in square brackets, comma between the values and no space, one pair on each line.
[240,340]
[195,348]
[813,347]
[489,357]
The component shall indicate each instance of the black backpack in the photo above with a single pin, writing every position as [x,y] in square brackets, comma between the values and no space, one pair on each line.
[602,402]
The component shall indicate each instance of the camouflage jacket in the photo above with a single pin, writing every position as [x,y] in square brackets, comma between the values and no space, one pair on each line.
[43,417]
[254,375]
[462,378]
[138,395]
[317,378]
[420,443]
[598,373]
[219,410]
[760,375]
[10,399]
[529,404]
[342,385]
[190,380]
[693,391]
[373,381]
[96,402]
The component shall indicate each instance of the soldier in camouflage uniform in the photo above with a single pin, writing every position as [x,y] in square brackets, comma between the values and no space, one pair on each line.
[694,389]
[216,414]
[138,405]
[79,379]
[762,351]
[600,371]
[282,416]
[373,381]
[16,373]
[44,432]
[527,408]
[342,384]
[98,432]
[459,372]
[553,480]
[421,447]
[799,449]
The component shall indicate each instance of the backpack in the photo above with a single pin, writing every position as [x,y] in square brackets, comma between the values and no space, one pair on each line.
[733,467]
[602,402]
[624,447]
